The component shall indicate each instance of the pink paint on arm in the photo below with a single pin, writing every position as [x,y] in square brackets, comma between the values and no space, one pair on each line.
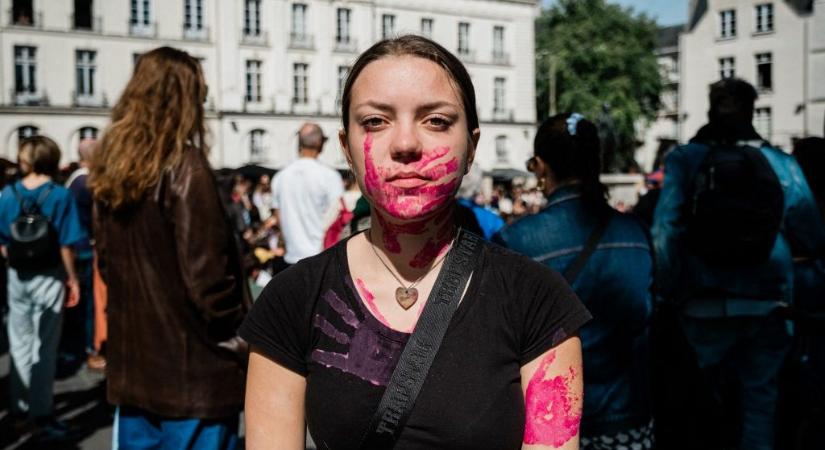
[552,416]
[369,298]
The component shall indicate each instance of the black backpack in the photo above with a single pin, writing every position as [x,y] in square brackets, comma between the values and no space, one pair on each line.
[736,208]
[34,244]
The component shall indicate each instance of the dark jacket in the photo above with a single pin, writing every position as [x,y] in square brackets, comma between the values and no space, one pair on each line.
[614,285]
[176,289]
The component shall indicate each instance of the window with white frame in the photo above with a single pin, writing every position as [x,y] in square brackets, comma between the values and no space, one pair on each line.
[193,15]
[88,133]
[498,94]
[300,85]
[257,146]
[342,34]
[463,38]
[502,155]
[763,122]
[252,18]
[299,21]
[85,68]
[343,71]
[27,132]
[253,81]
[387,26]
[727,23]
[764,18]
[764,71]
[140,17]
[427,27]
[727,67]
[25,70]
[498,41]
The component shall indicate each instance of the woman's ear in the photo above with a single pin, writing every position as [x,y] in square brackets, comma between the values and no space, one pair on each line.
[342,139]
[471,152]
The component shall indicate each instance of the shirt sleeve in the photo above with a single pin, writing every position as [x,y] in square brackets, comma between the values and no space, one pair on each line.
[551,311]
[67,220]
[278,325]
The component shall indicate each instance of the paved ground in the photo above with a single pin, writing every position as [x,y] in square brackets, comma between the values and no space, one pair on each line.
[80,400]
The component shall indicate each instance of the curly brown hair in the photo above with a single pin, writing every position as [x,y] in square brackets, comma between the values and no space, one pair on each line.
[159,116]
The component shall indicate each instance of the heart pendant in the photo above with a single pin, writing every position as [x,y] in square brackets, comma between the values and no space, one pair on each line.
[406,297]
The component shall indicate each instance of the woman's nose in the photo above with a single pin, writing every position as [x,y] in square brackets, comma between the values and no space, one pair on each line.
[406,144]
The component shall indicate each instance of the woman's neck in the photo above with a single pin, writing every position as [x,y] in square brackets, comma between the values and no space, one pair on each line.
[412,247]
[34,180]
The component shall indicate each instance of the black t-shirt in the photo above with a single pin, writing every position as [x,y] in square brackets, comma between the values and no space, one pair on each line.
[311,320]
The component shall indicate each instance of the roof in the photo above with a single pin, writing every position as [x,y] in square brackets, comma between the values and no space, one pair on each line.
[698,8]
[667,37]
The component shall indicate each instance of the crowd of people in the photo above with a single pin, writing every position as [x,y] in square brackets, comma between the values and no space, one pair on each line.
[398,306]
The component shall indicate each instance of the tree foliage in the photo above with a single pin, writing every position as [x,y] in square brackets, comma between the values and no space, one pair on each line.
[604,55]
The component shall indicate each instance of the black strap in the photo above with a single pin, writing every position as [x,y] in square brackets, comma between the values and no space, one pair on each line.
[577,265]
[37,204]
[419,353]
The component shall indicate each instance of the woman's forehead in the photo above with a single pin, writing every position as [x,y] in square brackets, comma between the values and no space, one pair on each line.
[404,79]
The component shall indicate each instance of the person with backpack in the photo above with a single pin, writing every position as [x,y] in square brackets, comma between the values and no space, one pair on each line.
[39,225]
[732,212]
[606,257]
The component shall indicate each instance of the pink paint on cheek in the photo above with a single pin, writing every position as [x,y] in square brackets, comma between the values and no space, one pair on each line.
[549,404]
[369,298]
[429,157]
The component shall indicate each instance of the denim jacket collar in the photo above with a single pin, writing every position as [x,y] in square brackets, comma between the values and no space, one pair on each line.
[563,194]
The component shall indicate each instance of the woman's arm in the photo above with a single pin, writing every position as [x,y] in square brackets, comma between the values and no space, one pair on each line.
[274,406]
[553,391]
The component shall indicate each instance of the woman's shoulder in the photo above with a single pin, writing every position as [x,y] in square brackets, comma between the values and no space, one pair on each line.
[517,268]
[305,275]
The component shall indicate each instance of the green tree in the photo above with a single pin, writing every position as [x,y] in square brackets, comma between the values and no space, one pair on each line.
[603,55]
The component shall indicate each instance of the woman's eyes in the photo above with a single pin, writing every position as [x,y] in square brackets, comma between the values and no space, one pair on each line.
[433,122]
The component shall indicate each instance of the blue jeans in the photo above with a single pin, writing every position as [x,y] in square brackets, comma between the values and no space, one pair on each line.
[141,430]
[752,349]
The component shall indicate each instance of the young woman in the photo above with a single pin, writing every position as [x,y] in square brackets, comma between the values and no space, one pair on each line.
[176,287]
[328,332]
[614,282]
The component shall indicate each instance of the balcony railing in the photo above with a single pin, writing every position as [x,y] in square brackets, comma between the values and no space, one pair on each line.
[192,33]
[26,98]
[253,37]
[147,30]
[24,20]
[501,58]
[301,41]
[466,55]
[503,115]
[346,45]
[93,24]
[89,100]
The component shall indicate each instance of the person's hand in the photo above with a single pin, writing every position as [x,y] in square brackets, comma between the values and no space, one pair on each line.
[72,293]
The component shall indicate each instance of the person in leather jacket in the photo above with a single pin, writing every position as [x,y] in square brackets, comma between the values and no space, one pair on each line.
[177,291]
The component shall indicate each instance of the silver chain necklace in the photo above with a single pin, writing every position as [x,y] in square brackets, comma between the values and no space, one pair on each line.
[407,296]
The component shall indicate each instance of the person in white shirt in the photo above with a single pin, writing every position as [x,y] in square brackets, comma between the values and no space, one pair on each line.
[302,193]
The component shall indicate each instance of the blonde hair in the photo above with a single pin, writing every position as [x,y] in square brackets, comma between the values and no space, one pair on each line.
[159,116]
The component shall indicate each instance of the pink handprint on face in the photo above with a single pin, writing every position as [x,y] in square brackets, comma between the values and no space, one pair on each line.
[369,356]
[551,418]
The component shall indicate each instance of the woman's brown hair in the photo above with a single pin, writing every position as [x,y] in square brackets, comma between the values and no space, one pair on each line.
[159,117]
[412,45]
[40,154]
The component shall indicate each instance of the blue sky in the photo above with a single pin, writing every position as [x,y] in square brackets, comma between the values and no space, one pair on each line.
[666,12]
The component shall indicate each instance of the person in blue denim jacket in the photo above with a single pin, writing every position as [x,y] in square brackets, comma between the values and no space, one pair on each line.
[728,312]
[614,283]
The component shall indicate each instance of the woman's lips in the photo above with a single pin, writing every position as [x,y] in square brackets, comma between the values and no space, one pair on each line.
[410,182]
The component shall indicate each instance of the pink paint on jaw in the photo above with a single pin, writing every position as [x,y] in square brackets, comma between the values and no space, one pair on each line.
[369,298]
[405,203]
[549,404]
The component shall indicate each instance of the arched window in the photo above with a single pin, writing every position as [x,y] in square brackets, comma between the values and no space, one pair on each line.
[88,133]
[257,145]
[27,131]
